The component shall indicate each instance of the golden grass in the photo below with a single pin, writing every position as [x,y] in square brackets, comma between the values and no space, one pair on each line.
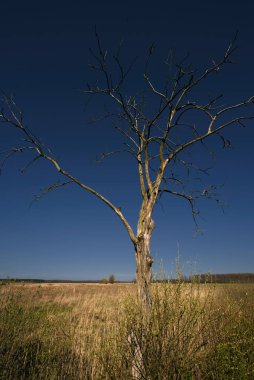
[80,331]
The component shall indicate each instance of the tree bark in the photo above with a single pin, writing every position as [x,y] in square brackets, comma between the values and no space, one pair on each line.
[144,262]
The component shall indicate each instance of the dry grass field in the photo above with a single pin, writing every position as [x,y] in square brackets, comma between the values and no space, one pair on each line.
[81,331]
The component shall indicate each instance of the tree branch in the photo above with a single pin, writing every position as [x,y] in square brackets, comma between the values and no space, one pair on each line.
[43,152]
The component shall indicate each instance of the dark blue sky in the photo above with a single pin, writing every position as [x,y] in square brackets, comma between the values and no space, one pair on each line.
[70,234]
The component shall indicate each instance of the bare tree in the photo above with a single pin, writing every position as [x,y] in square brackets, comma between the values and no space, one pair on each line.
[159,128]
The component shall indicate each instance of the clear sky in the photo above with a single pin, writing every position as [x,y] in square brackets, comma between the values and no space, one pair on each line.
[70,234]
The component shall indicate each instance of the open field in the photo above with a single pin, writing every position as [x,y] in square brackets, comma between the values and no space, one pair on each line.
[81,331]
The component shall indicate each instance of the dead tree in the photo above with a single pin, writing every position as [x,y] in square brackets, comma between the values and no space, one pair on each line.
[159,127]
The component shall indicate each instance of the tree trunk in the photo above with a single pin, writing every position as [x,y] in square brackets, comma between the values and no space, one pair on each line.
[144,273]
[144,263]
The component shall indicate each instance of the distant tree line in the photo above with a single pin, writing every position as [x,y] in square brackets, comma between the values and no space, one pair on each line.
[38,281]
[224,278]
[111,280]
[221,278]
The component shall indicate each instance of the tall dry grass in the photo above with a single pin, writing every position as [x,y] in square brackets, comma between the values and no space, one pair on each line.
[83,331]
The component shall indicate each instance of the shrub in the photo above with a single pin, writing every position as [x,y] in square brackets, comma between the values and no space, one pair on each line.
[111,279]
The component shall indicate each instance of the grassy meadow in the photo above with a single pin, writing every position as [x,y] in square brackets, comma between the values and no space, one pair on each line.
[87,331]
